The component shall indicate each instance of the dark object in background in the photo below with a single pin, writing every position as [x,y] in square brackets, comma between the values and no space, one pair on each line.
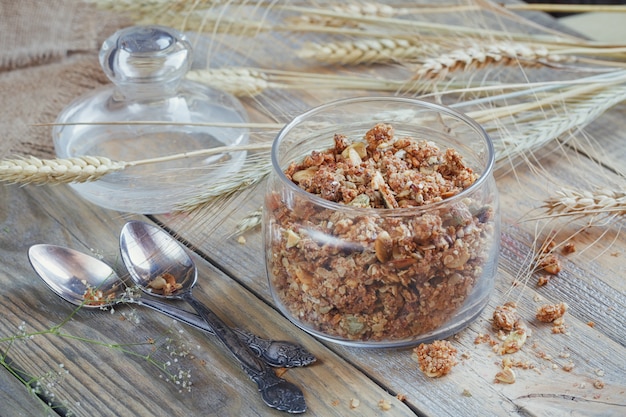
[606,2]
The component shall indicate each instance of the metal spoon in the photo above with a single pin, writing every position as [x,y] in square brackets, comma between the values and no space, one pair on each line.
[150,254]
[72,274]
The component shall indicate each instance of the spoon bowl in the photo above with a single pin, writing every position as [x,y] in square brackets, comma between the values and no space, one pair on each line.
[150,254]
[72,275]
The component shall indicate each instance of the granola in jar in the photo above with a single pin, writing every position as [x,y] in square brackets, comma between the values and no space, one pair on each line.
[394,259]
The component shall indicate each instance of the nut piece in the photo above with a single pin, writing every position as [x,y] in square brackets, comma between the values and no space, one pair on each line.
[436,359]
[383,246]
[354,403]
[361,200]
[514,341]
[158,283]
[505,317]
[351,155]
[305,174]
[543,280]
[384,405]
[354,153]
[506,376]
[456,258]
[378,184]
[548,313]
[292,239]
[550,263]
[166,284]
[569,248]
[95,296]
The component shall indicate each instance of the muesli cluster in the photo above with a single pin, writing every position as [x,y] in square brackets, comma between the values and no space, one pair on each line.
[435,359]
[366,273]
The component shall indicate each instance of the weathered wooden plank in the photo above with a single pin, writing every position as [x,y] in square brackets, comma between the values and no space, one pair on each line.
[104,380]
[92,345]
[14,397]
[591,283]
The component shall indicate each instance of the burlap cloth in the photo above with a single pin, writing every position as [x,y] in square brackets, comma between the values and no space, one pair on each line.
[48,57]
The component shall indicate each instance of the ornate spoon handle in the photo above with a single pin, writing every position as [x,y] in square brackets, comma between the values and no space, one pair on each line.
[276,353]
[276,392]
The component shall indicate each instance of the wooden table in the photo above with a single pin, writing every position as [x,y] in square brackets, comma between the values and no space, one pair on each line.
[116,362]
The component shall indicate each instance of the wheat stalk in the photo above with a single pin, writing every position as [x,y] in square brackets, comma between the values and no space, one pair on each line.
[244,82]
[361,9]
[365,9]
[203,22]
[364,51]
[569,202]
[130,7]
[196,16]
[240,82]
[254,170]
[539,130]
[250,222]
[154,9]
[387,49]
[526,126]
[413,26]
[587,102]
[566,8]
[32,170]
[241,125]
[382,9]
[480,56]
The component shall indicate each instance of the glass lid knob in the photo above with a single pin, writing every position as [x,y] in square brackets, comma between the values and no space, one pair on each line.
[146,55]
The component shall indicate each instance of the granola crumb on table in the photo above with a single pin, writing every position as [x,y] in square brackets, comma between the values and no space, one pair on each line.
[505,317]
[548,313]
[360,275]
[437,358]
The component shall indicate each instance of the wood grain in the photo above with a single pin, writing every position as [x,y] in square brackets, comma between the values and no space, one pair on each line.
[113,363]
[105,352]
[591,283]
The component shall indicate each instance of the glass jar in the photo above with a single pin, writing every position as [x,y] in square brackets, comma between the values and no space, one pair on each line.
[380,277]
[151,111]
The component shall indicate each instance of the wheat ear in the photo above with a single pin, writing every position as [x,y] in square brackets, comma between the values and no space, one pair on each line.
[240,82]
[129,7]
[189,16]
[569,202]
[365,9]
[365,51]
[479,56]
[32,170]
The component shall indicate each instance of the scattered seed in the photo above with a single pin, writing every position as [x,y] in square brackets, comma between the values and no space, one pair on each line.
[506,376]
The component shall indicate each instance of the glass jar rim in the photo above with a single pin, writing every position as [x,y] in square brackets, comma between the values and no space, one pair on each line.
[486,173]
